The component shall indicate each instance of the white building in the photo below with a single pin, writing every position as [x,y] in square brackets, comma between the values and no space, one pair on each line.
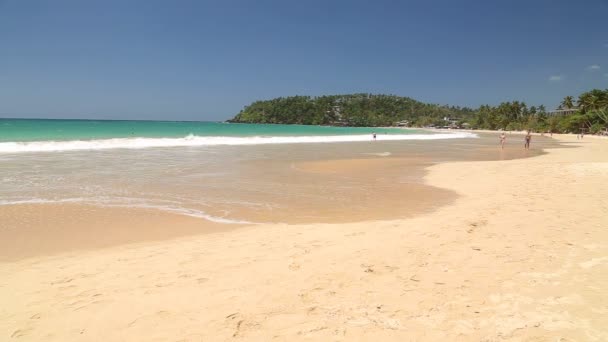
[561,112]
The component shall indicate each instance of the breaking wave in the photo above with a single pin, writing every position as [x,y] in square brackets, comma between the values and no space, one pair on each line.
[193,140]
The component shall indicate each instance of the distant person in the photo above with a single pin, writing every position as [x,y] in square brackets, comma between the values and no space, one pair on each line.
[528,139]
[374,135]
[503,139]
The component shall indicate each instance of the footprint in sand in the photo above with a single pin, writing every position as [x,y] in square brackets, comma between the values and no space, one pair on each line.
[21,332]
[163,284]
[239,322]
[391,268]
[62,281]
[368,268]
[474,225]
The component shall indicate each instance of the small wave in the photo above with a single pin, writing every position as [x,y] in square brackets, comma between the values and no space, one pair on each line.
[193,140]
[380,154]
[166,208]
[41,201]
[182,211]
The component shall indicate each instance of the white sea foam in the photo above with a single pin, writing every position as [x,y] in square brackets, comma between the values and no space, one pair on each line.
[379,154]
[40,201]
[182,211]
[103,203]
[193,140]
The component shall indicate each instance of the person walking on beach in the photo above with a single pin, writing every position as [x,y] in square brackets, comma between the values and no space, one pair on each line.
[503,139]
[374,135]
[528,138]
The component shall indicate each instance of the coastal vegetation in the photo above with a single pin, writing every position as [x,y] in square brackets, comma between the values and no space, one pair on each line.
[347,110]
[588,113]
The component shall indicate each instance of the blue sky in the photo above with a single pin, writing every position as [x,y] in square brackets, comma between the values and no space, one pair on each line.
[205,60]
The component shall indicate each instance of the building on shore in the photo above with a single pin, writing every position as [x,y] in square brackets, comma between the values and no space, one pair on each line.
[450,123]
[563,111]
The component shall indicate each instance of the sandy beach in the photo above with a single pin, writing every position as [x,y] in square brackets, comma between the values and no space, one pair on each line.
[520,254]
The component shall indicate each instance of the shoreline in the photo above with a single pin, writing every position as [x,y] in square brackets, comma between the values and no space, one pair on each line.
[520,255]
[47,229]
[549,135]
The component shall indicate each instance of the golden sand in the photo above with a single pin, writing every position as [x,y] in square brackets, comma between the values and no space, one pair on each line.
[522,254]
[33,230]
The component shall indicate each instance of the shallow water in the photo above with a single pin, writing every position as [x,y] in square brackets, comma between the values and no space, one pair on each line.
[283,182]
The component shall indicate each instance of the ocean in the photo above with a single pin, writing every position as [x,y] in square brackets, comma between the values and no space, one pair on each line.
[220,172]
[19,135]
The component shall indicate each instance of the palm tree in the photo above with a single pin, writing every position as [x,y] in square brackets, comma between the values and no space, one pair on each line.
[584,101]
[603,115]
[603,101]
[601,98]
[592,100]
[567,102]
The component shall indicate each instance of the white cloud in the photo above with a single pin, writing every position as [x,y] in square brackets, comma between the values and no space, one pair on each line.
[556,78]
[593,67]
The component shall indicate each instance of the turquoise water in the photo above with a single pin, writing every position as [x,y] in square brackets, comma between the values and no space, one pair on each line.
[21,130]
[227,173]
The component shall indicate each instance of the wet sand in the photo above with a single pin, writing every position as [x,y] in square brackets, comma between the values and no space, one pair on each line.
[340,191]
[379,186]
[33,230]
[242,183]
[520,254]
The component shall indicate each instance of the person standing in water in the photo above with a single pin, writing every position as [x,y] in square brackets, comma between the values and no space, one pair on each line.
[503,139]
[527,139]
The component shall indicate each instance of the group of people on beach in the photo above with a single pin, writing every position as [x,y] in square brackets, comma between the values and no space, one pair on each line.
[527,140]
[503,139]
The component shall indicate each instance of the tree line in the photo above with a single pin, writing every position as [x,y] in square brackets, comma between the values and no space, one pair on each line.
[588,114]
[371,110]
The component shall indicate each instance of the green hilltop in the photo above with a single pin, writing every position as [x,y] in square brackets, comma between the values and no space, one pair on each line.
[345,110]
[374,110]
